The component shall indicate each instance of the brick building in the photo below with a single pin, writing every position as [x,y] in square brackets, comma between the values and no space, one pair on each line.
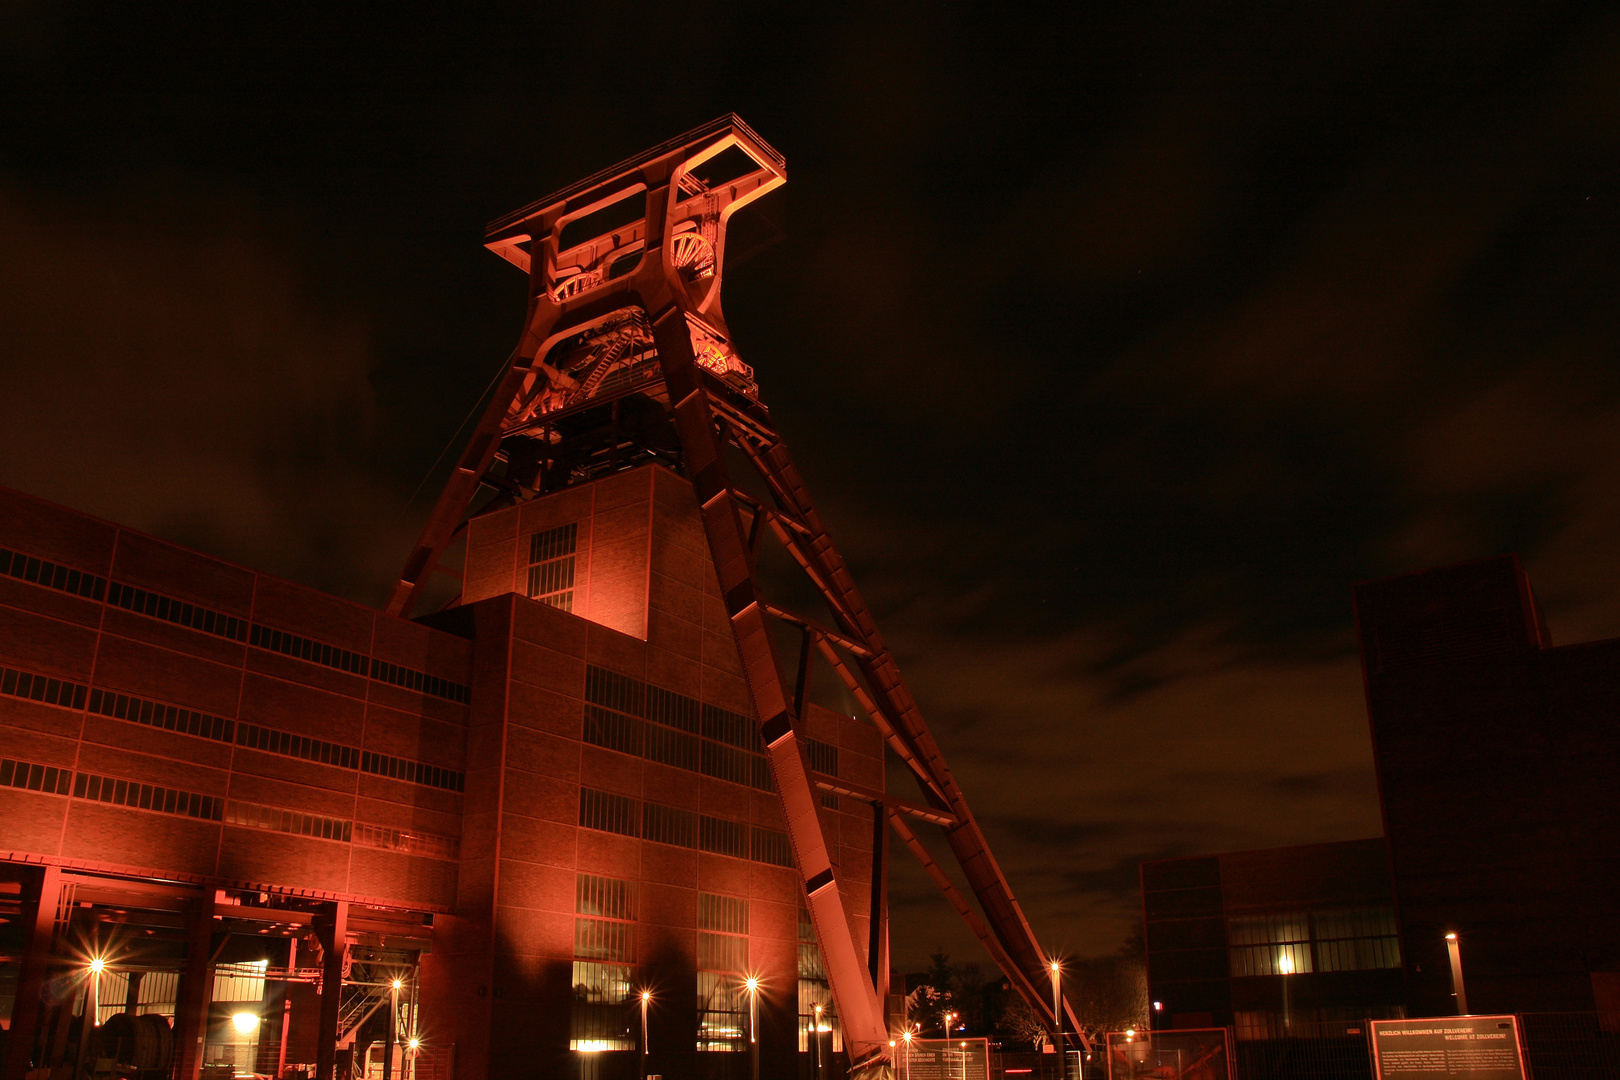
[259,806]
[1498,764]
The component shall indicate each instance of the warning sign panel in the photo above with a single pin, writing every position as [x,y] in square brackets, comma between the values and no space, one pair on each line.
[1475,1047]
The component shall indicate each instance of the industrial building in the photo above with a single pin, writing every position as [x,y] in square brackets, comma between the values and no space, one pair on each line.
[1498,765]
[592,817]
[194,752]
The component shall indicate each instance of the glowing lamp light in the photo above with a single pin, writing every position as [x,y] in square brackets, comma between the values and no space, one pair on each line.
[1286,964]
[891,1042]
[1056,967]
[415,1044]
[646,995]
[1130,1033]
[592,1046]
[1158,1006]
[245,1023]
[96,964]
[752,984]
[399,984]
[1449,937]
[906,1035]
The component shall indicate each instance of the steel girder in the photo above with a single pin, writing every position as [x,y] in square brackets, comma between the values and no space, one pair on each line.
[677,252]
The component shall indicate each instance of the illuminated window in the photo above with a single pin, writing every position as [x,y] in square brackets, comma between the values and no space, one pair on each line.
[551,566]
[1269,944]
[604,965]
[1332,939]
[722,960]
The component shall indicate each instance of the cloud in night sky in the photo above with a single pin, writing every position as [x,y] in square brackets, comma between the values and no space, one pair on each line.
[1116,345]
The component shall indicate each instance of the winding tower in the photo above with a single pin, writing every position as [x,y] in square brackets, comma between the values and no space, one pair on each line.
[625,359]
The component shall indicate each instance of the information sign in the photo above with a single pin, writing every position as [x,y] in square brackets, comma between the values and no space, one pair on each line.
[944,1059]
[1475,1047]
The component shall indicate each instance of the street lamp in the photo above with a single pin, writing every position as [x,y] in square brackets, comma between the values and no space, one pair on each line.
[906,1035]
[753,1026]
[1057,1015]
[646,997]
[1286,965]
[1456,974]
[815,1035]
[388,1032]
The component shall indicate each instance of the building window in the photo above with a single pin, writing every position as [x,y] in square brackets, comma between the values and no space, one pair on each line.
[814,990]
[551,566]
[604,964]
[1356,939]
[722,960]
[1332,939]
[608,812]
[1269,944]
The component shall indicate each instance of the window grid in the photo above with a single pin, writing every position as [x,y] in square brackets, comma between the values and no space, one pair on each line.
[140,796]
[614,731]
[814,989]
[604,955]
[1334,939]
[190,722]
[668,739]
[42,688]
[427,845]
[722,960]
[158,715]
[168,609]
[317,652]
[292,822]
[721,837]
[51,575]
[607,812]
[667,825]
[608,898]
[32,776]
[551,566]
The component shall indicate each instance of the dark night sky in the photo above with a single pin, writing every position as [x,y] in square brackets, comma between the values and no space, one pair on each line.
[1117,341]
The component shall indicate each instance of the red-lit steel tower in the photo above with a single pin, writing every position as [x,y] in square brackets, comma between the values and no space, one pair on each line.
[625,359]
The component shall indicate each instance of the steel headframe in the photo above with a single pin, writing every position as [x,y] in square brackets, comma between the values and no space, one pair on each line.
[662,272]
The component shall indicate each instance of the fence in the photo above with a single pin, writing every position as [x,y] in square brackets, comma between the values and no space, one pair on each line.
[1557,1046]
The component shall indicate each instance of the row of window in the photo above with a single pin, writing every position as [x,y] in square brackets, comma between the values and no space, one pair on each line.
[660,725]
[32,776]
[190,722]
[160,800]
[59,692]
[219,624]
[52,576]
[607,812]
[1334,939]
[317,652]
[157,606]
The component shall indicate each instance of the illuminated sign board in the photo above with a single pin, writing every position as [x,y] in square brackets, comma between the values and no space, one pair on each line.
[944,1059]
[1475,1047]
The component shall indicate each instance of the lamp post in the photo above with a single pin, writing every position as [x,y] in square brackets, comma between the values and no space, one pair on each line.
[815,1035]
[1057,1015]
[1456,974]
[92,1006]
[1286,966]
[753,1027]
[646,996]
[388,1032]
[906,1035]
